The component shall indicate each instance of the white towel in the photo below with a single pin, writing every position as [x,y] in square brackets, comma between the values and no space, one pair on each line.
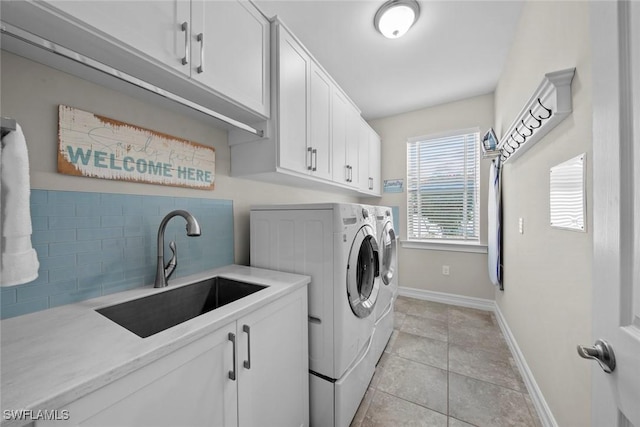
[494,215]
[19,259]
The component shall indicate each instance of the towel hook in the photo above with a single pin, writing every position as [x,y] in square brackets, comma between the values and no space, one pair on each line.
[528,128]
[510,144]
[536,119]
[518,142]
[548,111]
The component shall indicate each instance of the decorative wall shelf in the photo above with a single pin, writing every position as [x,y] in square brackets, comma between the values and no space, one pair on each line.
[548,106]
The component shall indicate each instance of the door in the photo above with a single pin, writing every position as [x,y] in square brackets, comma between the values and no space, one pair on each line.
[229,45]
[188,387]
[339,137]
[162,38]
[362,271]
[616,213]
[273,387]
[320,123]
[293,76]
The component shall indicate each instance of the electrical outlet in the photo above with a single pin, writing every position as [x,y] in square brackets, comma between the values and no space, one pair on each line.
[445,270]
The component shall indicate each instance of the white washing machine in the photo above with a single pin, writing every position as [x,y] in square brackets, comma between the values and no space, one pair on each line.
[384,314]
[335,244]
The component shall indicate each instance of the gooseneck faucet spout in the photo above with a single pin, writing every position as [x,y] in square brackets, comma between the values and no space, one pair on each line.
[193,229]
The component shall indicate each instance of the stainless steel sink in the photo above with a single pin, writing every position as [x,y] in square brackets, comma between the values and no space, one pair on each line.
[152,314]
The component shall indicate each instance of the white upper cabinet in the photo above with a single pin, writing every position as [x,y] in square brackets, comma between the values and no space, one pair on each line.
[369,143]
[214,53]
[153,28]
[229,47]
[319,146]
[313,137]
[294,67]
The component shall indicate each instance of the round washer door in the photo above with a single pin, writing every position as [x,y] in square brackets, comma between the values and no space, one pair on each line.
[388,253]
[362,271]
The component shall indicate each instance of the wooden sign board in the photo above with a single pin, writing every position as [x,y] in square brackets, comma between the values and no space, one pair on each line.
[99,147]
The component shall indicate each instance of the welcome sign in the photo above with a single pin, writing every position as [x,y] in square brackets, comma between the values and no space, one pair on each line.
[96,146]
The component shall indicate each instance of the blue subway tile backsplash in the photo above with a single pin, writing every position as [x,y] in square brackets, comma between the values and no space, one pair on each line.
[93,244]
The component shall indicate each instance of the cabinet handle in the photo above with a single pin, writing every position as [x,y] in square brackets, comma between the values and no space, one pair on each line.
[314,155]
[350,173]
[370,183]
[185,28]
[346,173]
[247,363]
[200,38]
[310,163]
[232,374]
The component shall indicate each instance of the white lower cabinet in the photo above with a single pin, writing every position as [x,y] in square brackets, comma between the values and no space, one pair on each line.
[201,384]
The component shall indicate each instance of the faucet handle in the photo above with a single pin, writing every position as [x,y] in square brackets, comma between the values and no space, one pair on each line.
[173,262]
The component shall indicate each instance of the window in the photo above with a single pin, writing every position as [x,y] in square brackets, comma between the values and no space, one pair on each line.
[443,176]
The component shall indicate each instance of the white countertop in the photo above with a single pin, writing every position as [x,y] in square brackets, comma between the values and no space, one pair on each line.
[52,357]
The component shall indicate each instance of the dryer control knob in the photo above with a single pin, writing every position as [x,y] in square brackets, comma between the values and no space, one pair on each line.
[365,213]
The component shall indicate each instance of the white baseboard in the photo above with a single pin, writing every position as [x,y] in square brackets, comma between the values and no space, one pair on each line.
[471,302]
[540,404]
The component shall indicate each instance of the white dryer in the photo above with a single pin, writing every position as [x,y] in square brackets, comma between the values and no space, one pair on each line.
[335,244]
[384,313]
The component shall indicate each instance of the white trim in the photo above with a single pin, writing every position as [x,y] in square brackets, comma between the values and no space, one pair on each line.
[477,248]
[540,404]
[452,299]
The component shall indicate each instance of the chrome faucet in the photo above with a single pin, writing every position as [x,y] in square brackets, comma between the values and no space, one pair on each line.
[193,229]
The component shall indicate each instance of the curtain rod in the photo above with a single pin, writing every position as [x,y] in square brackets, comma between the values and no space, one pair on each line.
[32,39]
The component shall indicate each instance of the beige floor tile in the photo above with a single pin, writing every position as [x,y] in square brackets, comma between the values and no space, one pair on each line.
[362,409]
[486,405]
[457,423]
[486,339]
[463,316]
[398,319]
[415,382]
[419,349]
[379,370]
[430,309]
[425,327]
[386,411]
[495,368]
[532,411]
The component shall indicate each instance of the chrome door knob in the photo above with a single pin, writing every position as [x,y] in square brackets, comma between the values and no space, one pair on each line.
[602,352]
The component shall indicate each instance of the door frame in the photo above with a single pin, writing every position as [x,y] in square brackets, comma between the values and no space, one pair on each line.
[613,189]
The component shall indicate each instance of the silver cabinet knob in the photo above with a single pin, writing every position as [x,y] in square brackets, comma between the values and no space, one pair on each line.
[602,352]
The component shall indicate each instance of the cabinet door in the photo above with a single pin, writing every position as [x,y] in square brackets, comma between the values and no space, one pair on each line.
[293,80]
[320,123]
[273,388]
[339,137]
[363,153]
[152,28]
[353,145]
[375,163]
[230,50]
[189,387]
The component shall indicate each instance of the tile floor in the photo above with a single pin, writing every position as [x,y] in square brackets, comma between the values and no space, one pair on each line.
[445,366]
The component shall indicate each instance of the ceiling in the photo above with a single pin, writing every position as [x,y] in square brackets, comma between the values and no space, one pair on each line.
[456,50]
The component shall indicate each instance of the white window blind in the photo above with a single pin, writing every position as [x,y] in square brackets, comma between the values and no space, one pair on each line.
[443,187]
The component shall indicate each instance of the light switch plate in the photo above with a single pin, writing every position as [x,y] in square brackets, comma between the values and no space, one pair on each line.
[521,225]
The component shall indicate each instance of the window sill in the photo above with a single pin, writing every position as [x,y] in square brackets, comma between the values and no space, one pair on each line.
[477,248]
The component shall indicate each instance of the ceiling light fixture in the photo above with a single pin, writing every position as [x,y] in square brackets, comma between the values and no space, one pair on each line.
[395,17]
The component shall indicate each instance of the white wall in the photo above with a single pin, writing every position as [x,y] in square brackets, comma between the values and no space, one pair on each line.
[31,94]
[422,269]
[547,272]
